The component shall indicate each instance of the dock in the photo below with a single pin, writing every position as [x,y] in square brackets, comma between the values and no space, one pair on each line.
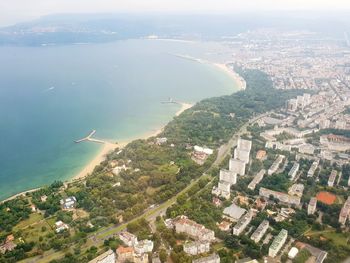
[170,101]
[90,138]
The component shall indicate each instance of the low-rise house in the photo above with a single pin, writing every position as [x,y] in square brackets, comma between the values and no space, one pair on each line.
[224,226]
[33,208]
[128,238]
[332,178]
[278,243]
[282,197]
[7,246]
[260,231]
[196,247]
[204,150]
[68,203]
[210,259]
[143,246]
[260,155]
[242,223]
[116,170]
[125,254]
[162,140]
[60,226]
[234,212]
[274,167]
[217,202]
[257,179]
[107,257]
[294,171]
[43,198]
[311,208]
[193,229]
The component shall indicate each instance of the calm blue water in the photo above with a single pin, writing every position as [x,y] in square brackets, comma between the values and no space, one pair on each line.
[51,96]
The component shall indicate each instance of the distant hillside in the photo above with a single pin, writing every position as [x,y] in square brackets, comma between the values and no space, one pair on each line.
[74,28]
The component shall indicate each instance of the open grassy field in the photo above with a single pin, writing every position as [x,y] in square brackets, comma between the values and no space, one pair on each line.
[330,234]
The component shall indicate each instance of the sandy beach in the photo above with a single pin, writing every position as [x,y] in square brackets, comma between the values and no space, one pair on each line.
[234,75]
[109,147]
[223,67]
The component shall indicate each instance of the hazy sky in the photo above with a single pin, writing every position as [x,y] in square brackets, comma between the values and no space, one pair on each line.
[12,11]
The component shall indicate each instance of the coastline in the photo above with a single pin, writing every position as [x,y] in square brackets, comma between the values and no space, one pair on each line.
[109,147]
[221,66]
[233,74]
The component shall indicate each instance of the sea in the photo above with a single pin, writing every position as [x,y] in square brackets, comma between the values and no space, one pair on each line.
[52,95]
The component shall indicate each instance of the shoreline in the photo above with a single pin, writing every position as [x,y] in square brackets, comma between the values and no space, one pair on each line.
[221,66]
[233,74]
[109,147]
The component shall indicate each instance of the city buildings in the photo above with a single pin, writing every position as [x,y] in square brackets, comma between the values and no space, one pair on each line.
[257,179]
[296,189]
[234,212]
[228,176]
[274,167]
[278,243]
[313,168]
[125,254]
[197,231]
[222,190]
[242,223]
[143,246]
[242,155]
[260,231]
[196,247]
[332,178]
[128,238]
[344,212]
[245,145]
[294,171]
[210,259]
[311,208]
[282,197]
[107,257]
[237,166]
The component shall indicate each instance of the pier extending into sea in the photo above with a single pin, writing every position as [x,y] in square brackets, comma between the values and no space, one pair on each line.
[90,138]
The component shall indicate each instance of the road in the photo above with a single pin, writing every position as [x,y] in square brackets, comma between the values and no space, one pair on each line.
[150,215]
